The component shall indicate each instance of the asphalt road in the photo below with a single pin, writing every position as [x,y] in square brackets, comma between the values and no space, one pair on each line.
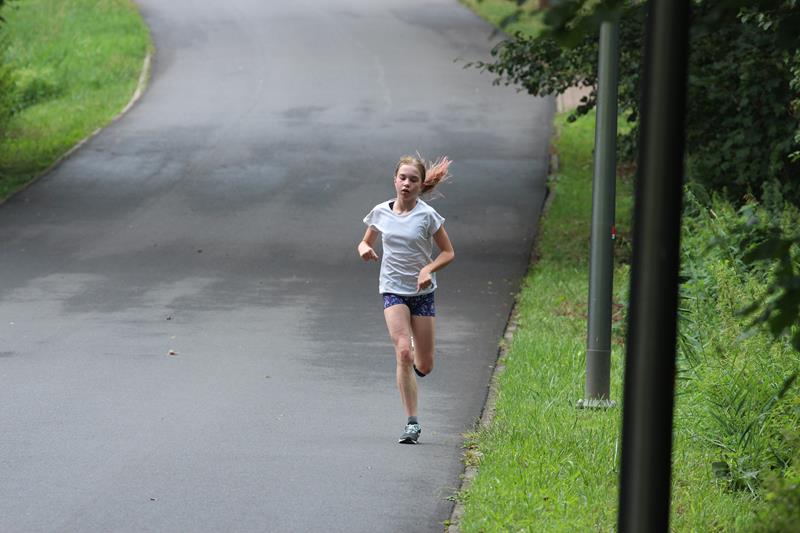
[218,219]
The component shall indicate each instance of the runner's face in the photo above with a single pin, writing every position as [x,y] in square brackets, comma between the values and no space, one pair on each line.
[408,182]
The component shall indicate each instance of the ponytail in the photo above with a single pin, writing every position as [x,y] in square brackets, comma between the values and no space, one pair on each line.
[438,172]
[432,173]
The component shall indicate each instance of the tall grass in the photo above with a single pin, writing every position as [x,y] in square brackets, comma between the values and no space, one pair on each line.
[76,65]
[737,416]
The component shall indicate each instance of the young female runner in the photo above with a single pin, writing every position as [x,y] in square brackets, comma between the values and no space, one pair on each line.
[408,228]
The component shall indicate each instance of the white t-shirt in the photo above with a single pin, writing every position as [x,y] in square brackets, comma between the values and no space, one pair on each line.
[407,245]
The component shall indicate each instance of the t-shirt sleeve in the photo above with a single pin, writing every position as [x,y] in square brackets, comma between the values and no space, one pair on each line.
[373,219]
[435,222]
[370,216]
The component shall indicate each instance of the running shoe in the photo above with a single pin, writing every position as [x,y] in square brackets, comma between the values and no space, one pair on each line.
[411,434]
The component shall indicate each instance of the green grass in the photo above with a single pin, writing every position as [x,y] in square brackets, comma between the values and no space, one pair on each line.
[547,466]
[544,465]
[496,11]
[726,382]
[76,64]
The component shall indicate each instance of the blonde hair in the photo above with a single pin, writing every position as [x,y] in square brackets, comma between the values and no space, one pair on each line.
[431,173]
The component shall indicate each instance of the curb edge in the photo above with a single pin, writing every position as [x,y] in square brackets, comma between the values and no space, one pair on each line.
[488,411]
[141,85]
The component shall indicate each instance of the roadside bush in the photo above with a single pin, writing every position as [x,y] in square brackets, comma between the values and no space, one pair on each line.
[736,384]
[743,106]
[7,92]
[7,81]
[783,496]
[741,121]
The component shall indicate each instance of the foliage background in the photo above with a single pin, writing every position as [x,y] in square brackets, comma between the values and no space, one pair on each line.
[743,119]
[543,465]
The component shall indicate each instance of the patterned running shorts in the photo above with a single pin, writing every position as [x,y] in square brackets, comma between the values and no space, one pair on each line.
[422,305]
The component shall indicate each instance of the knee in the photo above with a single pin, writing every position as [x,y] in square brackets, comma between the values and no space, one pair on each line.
[426,367]
[405,357]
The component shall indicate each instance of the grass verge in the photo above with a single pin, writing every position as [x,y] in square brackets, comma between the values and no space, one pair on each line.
[76,64]
[543,464]
[500,13]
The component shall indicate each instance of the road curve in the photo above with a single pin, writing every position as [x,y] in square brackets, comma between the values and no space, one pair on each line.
[188,341]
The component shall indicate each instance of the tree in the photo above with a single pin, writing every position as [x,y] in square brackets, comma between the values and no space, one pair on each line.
[743,116]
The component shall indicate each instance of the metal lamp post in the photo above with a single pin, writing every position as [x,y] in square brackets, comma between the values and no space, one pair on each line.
[601,266]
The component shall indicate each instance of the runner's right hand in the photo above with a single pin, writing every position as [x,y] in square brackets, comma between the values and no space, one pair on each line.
[367,253]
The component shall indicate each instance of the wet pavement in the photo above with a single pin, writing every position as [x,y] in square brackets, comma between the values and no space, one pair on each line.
[188,339]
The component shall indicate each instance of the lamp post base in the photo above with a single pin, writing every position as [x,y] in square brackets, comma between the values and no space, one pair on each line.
[596,404]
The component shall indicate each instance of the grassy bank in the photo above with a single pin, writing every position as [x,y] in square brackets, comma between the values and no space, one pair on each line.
[546,466]
[76,64]
[497,12]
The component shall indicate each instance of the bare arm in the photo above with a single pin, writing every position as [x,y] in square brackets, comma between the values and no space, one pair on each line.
[365,249]
[445,257]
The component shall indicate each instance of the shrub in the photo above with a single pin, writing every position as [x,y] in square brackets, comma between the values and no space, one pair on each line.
[743,106]
[7,92]
[7,82]
[737,382]
[783,495]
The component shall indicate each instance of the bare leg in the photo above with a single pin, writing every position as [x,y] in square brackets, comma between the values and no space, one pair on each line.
[423,328]
[398,321]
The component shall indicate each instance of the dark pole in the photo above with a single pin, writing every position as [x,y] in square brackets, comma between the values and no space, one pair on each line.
[601,258]
[644,496]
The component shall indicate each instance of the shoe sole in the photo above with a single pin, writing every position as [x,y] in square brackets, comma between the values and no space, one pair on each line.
[407,440]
